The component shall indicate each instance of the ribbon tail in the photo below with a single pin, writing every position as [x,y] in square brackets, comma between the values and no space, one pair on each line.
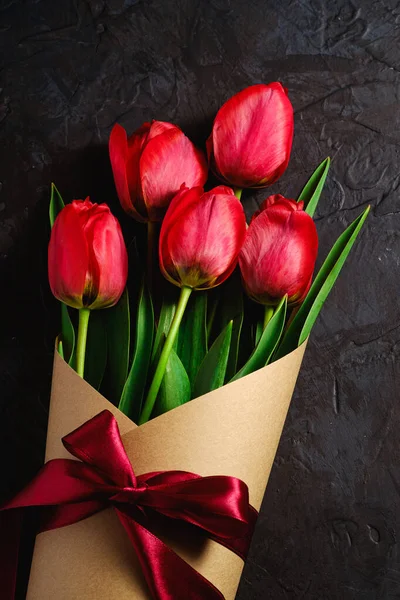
[10,527]
[168,576]
[239,545]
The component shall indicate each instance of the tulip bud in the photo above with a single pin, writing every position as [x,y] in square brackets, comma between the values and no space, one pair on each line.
[150,166]
[279,253]
[252,135]
[201,237]
[88,262]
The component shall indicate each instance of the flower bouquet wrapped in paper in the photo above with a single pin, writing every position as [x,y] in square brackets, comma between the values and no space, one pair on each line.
[168,401]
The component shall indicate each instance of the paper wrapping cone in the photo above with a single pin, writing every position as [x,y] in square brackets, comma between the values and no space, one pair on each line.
[233,430]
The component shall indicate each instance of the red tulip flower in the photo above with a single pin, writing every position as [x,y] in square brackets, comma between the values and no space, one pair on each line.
[279,252]
[200,241]
[151,165]
[252,137]
[201,237]
[88,263]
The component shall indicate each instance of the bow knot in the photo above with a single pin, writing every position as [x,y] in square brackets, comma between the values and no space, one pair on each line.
[129,495]
[103,477]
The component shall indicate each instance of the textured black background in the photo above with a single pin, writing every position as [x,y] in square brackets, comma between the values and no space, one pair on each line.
[69,70]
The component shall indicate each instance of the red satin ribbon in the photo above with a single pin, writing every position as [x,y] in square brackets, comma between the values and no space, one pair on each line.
[68,491]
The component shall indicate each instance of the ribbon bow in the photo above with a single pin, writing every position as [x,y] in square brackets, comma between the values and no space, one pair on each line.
[69,491]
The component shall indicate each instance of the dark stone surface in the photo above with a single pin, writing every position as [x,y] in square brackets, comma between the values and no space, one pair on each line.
[71,69]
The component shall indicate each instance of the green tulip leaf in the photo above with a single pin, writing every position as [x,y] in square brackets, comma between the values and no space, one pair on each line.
[164,323]
[192,336]
[96,349]
[56,204]
[212,371]
[268,342]
[175,386]
[252,315]
[132,394]
[311,192]
[231,309]
[67,335]
[60,348]
[302,323]
[259,328]
[117,323]
[213,301]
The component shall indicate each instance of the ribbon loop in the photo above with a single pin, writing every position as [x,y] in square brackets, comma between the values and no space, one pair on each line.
[68,491]
[106,453]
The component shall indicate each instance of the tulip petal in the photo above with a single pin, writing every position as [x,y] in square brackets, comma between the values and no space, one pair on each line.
[177,209]
[281,203]
[68,257]
[223,189]
[252,136]
[158,127]
[201,237]
[168,161]
[124,157]
[109,264]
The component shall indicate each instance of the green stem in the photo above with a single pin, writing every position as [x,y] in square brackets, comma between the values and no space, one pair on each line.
[166,351]
[238,192]
[268,314]
[151,239]
[84,314]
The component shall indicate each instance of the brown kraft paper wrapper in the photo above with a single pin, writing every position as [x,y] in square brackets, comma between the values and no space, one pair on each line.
[233,430]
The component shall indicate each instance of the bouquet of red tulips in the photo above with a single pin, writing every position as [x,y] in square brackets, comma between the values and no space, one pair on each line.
[202,353]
